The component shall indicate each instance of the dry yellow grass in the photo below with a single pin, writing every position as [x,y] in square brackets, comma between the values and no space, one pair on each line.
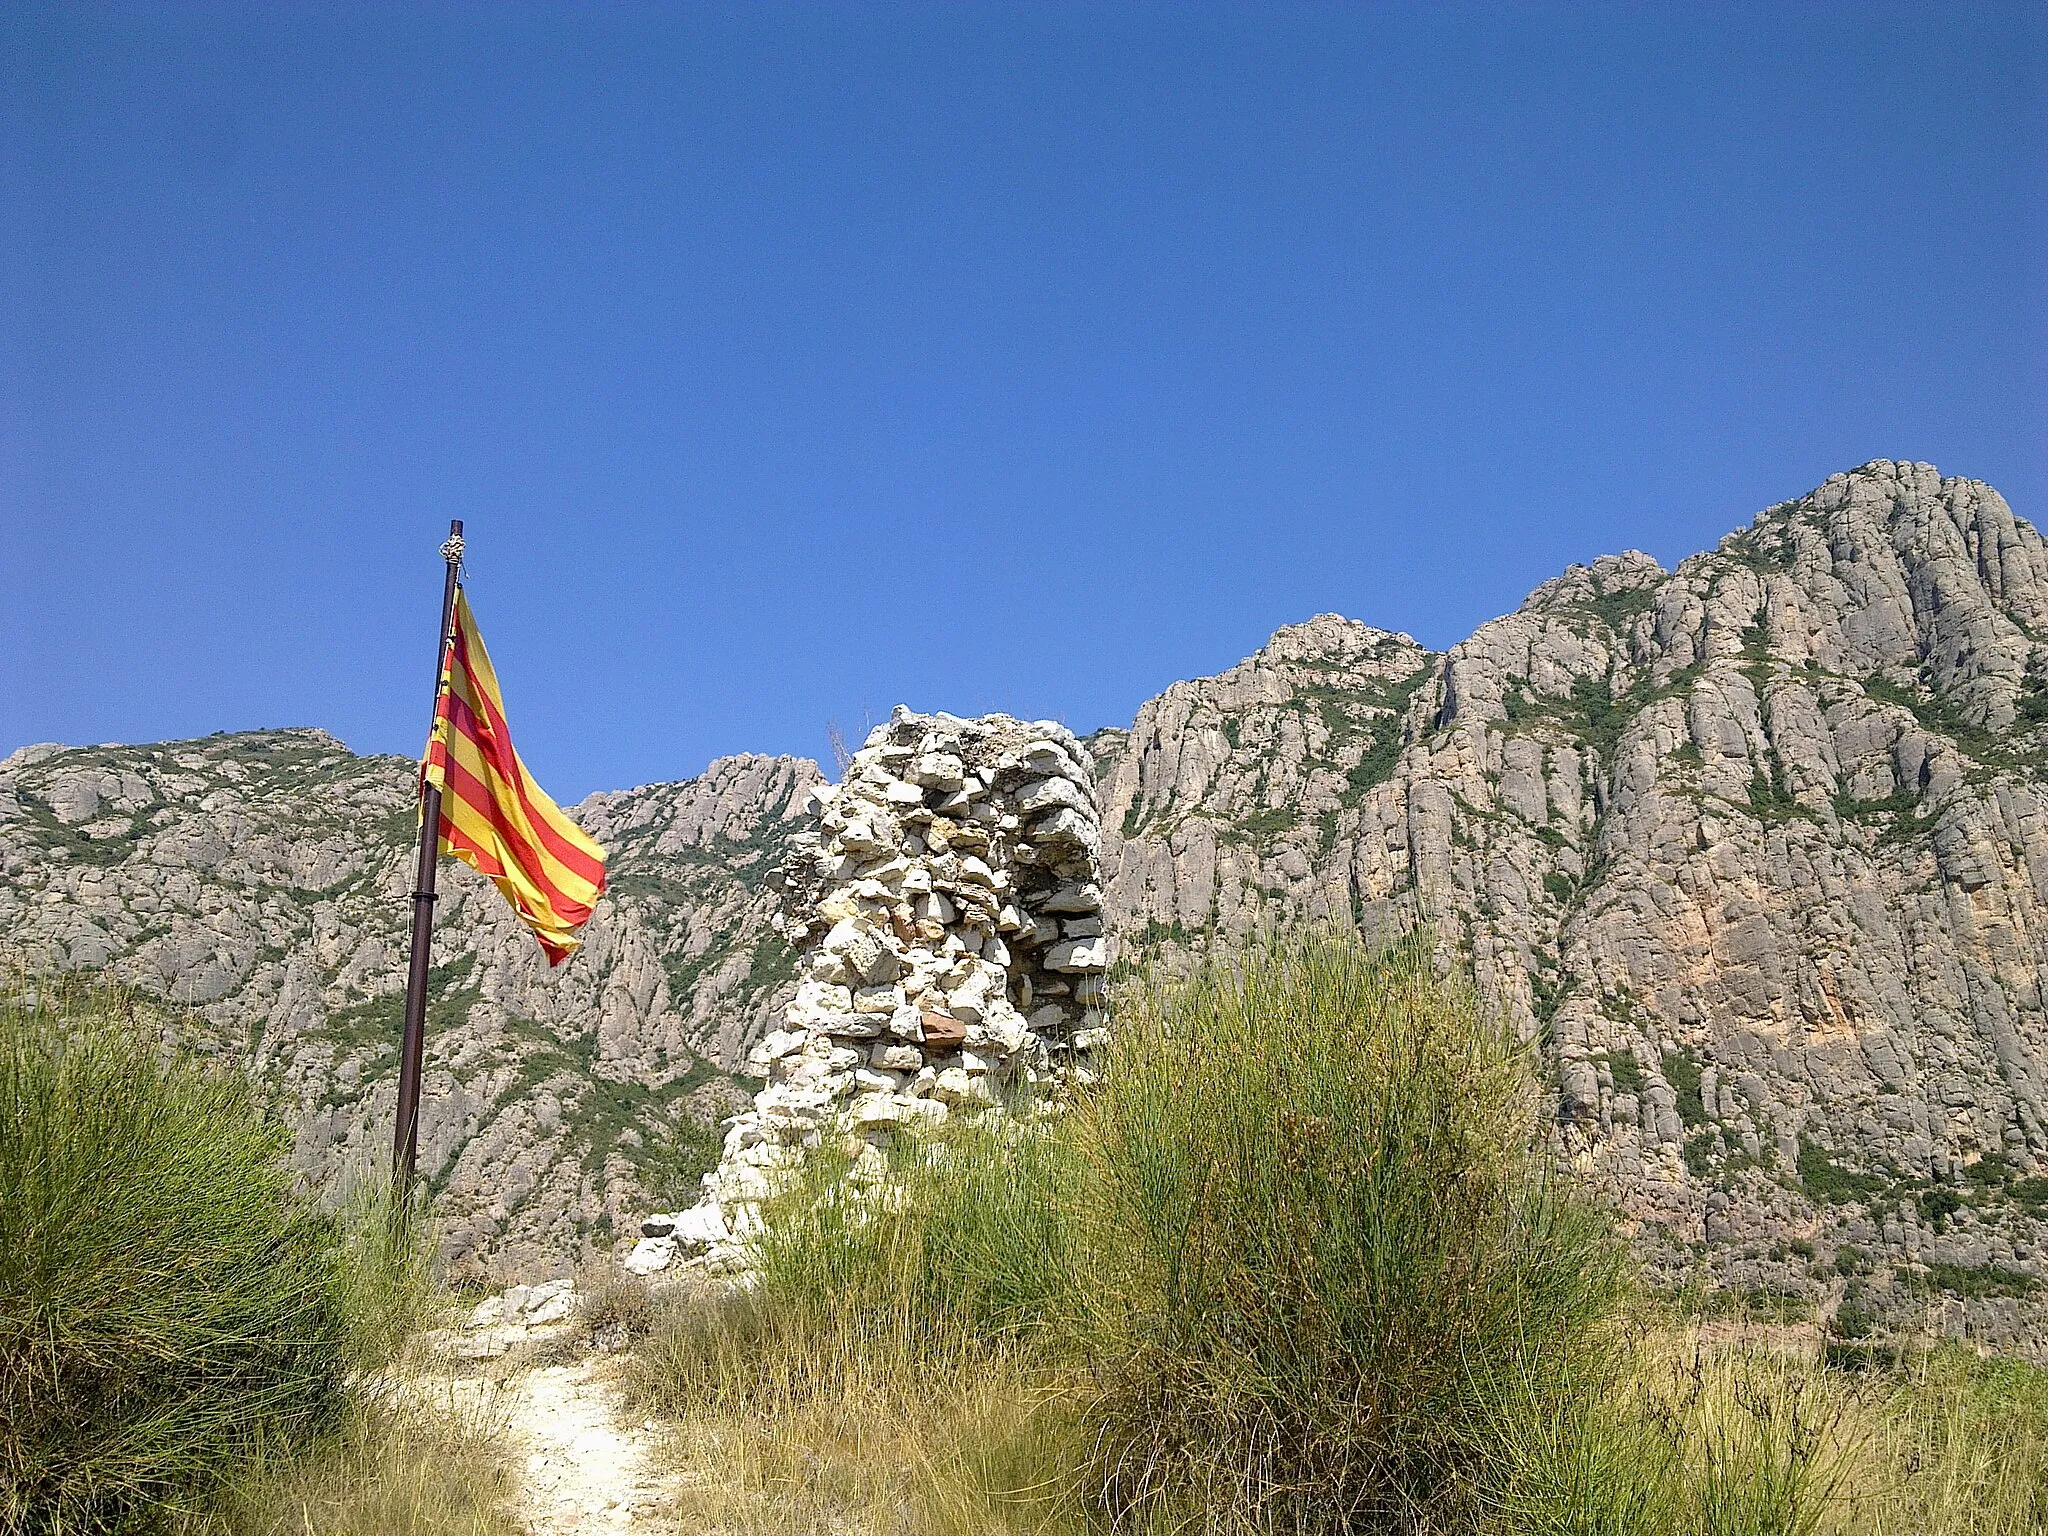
[421,1461]
[1954,1446]
[783,1425]
[1705,1434]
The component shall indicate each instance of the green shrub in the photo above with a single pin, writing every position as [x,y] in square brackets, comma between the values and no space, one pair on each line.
[1826,1179]
[1298,1265]
[169,1307]
[1325,1254]
[974,1237]
[680,1152]
[1977,1281]
[1853,1321]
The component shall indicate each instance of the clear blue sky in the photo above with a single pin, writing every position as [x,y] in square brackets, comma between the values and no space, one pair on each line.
[787,361]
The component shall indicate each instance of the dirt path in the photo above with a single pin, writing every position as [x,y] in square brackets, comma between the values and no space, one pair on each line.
[582,1471]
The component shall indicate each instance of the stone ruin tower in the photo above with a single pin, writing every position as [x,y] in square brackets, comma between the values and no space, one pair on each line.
[948,920]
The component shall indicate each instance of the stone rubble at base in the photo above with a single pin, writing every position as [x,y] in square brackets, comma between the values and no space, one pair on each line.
[524,1315]
[948,920]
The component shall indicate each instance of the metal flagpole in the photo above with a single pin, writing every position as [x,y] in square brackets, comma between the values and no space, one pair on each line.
[405,1132]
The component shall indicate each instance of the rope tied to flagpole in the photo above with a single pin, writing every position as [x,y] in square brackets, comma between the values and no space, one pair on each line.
[451,551]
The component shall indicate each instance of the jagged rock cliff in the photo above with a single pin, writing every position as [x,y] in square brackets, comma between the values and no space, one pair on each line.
[1756,847]
[261,879]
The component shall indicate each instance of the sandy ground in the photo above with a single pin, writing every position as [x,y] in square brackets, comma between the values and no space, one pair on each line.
[583,1468]
[582,1471]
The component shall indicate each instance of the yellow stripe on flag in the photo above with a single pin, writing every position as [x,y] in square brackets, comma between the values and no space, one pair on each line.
[493,816]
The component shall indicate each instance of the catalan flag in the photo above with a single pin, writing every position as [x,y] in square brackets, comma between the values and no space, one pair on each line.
[493,816]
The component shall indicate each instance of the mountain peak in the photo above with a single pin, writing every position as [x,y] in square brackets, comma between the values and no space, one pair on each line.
[1608,576]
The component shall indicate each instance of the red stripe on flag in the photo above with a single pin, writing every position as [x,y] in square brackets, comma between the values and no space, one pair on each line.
[462,719]
[493,738]
[478,859]
[481,859]
[475,794]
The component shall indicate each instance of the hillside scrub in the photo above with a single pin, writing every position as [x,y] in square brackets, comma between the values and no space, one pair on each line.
[1294,1256]
[1325,1247]
[176,1318]
[1299,1263]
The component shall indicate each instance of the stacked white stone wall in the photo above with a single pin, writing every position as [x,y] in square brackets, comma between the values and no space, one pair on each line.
[947,915]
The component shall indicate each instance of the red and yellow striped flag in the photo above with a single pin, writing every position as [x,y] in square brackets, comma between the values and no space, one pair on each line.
[493,816]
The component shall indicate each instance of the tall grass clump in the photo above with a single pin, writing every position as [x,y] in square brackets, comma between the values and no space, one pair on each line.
[415,1463]
[170,1308]
[1326,1251]
[963,1233]
[1959,1447]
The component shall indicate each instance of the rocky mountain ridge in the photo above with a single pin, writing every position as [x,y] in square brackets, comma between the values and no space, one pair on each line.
[260,879]
[1755,847]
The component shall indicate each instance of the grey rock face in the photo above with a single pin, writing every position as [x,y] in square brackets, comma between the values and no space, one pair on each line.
[1251,795]
[1756,848]
[261,879]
